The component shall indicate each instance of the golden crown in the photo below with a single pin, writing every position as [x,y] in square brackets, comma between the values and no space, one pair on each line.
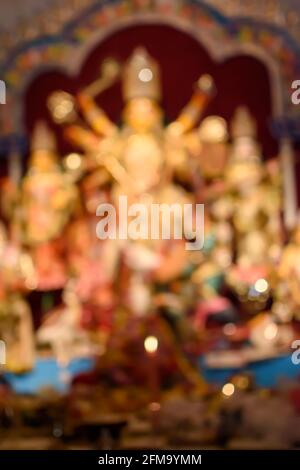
[243,124]
[141,76]
[43,138]
[43,142]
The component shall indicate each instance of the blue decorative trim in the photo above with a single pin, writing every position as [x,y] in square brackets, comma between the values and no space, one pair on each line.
[286,126]
[18,142]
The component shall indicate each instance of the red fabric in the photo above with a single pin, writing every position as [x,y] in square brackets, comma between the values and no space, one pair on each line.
[295,399]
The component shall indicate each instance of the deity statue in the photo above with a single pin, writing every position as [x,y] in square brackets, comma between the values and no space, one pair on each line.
[213,137]
[253,202]
[16,264]
[212,160]
[48,197]
[141,158]
[92,262]
[16,327]
[61,329]
[16,330]
[217,253]
[47,194]
[286,304]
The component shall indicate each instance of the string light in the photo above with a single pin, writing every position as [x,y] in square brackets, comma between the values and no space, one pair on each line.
[228,389]
[261,286]
[151,344]
[73,161]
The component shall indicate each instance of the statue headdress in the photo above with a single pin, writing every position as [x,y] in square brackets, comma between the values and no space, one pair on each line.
[43,140]
[244,133]
[141,76]
[243,124]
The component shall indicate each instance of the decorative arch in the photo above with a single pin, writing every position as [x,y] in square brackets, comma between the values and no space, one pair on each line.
[222,36]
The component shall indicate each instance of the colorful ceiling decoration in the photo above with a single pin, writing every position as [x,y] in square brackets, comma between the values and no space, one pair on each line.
[65,28]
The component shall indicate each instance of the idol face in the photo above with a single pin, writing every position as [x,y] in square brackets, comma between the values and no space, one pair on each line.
[142,114]
[43,161]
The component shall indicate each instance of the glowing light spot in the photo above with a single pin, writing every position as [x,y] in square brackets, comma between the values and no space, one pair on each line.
[151,344]
[261,285]
[228,389]
[73,161]
[145,75]
[271,331]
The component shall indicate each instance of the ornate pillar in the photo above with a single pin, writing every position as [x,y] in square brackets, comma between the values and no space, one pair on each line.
[289,183]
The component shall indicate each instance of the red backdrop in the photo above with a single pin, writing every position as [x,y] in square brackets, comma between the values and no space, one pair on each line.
[240,80]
